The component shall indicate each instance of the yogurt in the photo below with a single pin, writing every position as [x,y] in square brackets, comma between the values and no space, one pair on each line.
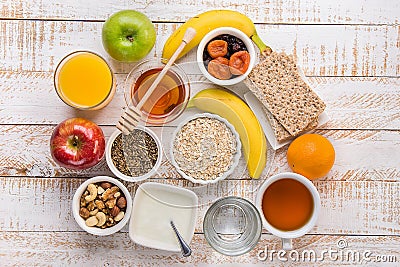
[154,206]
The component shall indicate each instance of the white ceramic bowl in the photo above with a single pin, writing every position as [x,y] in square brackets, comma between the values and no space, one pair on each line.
[232,31]
[76,206]
[316,199]
[235,159]
[154,206]
[119,174]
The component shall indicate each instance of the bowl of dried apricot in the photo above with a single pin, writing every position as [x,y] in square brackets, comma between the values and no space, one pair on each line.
[226,56]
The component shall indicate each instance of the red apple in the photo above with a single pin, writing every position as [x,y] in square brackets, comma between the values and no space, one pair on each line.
[77,144]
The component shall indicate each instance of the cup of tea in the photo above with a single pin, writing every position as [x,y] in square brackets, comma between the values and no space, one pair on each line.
[289,205]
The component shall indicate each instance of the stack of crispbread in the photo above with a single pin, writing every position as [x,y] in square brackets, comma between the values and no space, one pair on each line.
[292,107]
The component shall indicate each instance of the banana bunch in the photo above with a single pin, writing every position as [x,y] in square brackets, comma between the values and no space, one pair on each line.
[238,113]
[208,21]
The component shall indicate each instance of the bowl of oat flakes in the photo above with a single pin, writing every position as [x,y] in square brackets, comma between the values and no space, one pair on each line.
[205,148]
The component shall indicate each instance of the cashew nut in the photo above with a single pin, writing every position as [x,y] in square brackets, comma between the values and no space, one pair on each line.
[102,218]
[93,212]
[119,216]
[91,221]
[92,193]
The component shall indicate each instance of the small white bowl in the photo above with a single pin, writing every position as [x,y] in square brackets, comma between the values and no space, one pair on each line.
[119,174]
[154,206]
[235,159]
[219,31]
[76,206]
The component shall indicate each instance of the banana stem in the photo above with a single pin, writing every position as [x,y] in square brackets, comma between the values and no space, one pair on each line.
[264,49]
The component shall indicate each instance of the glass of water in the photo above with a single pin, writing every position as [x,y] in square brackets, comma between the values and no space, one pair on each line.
[232,226]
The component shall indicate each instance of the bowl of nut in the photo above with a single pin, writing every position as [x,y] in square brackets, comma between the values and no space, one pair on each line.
[226,56]
[205,149]
[102,205]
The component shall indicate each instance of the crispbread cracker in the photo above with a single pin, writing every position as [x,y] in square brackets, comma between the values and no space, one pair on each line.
[280,132]
[277,84]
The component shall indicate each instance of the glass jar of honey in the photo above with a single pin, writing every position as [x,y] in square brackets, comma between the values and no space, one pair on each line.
[168,100]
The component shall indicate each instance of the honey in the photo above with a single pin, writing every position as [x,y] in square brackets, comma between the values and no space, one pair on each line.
[169,94]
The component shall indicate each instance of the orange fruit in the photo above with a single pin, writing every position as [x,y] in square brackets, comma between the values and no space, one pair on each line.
[311,155]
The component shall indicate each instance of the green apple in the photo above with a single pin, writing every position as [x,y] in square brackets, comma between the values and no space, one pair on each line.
[128,35]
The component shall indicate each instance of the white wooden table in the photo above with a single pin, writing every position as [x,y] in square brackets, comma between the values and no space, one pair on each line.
[350,52]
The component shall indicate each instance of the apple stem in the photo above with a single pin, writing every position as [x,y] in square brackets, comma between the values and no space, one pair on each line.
[130,38]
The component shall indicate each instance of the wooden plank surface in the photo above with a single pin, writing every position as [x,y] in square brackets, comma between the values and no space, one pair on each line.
[352,102]
[271,11]
[350,53]
[25,152]
[321,50]
[347,207]
[82,249]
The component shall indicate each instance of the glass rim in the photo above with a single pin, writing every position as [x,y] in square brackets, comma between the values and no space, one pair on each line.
[182,76]
[62,62]
[251,239]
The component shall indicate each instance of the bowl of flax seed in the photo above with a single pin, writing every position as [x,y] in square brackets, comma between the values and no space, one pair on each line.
[205,149]
[136,156]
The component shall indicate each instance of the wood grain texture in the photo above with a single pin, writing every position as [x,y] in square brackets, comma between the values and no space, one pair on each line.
[274,11]
[347,207]
[69,249]
[360,155]
[352,102]
[350,51]
[321,50]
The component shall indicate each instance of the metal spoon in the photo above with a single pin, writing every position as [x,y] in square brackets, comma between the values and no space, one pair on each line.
[186,251]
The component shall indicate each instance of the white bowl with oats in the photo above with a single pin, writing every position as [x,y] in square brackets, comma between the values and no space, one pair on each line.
[205,148]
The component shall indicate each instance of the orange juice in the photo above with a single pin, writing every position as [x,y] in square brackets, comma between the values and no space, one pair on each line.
[84,80]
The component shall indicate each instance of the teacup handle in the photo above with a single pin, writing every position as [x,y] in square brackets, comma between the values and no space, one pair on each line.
[287,244]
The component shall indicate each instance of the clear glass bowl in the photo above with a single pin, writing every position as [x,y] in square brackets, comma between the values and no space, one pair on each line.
[232,226]
[175,85]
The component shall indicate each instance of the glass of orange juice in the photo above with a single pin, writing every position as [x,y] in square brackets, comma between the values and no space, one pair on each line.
[84,80]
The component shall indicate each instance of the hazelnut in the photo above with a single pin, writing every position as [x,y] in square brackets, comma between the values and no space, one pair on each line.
[121,202]
[84,213]
[114,211]
[105,185]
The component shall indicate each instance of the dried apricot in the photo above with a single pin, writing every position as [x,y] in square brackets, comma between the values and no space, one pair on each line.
[217,48]
[239,62]
[219,68]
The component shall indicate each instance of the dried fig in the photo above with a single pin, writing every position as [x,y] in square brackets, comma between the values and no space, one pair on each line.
[219,68]
[239,62]
[217,48]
